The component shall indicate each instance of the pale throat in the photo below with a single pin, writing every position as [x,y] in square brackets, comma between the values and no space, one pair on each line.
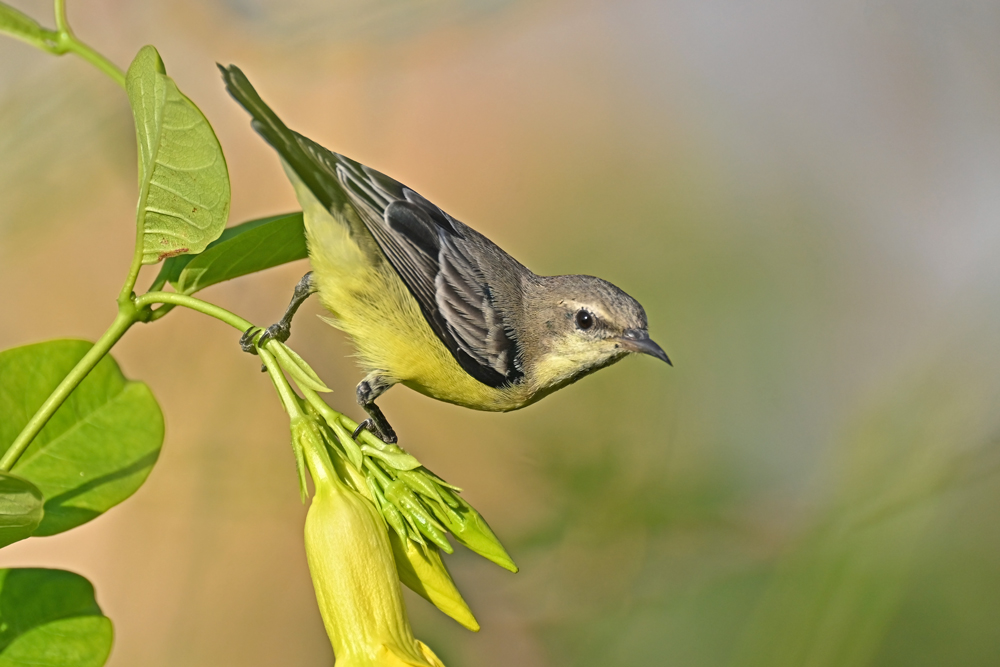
[568,361]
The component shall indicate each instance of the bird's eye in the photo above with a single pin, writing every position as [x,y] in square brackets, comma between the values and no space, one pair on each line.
[584,320]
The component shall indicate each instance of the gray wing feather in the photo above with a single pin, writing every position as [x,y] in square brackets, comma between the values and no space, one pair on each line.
[430,252]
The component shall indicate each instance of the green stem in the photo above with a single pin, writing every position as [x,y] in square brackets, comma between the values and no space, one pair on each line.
[328,413]
[160,281]
[67,42]
[149,315]
[204,307]
[96,59]
[161,311]
[140,234]
[133,271]
[62,25]
[129,313]
[331,415]
[288,398]
[125,319]
[62,40]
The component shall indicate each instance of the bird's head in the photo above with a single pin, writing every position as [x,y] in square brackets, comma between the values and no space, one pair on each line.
[584,324]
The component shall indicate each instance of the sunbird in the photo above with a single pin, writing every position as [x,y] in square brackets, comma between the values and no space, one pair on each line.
[429,302]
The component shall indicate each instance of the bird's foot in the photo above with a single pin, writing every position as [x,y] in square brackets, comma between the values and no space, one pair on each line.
[388,436]
[279,331]
[282,329]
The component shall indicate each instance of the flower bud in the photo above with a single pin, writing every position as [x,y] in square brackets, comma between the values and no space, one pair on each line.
[420,567]
[471,530]
[400,495]
[354,574]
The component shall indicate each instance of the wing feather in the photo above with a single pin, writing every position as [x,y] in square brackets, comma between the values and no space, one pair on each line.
[428,250]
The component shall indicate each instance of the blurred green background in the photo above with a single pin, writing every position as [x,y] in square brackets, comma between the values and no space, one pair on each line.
[804,196]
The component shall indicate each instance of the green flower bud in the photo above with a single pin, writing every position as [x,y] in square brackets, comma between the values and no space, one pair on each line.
[351,448]
[421,483]
[470,528]
[307,436]
[403,498]
[392,516]
[392,456]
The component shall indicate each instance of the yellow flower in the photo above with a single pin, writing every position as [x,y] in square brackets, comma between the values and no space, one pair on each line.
[354,575]
[420,567]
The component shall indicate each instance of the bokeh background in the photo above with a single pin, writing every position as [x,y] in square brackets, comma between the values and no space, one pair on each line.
[804,196]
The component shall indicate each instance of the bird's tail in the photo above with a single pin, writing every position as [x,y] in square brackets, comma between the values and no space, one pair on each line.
[290,145]
[265,121]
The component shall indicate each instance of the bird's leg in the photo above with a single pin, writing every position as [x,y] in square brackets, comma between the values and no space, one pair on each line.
[282,329]
[371,388]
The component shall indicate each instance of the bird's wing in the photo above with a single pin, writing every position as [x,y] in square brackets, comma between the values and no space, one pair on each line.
[428,249]
[430,252]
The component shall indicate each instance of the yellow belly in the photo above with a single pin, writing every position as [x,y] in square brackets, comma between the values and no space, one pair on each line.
[369,301]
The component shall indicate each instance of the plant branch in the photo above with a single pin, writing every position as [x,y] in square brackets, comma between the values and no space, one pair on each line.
[58,41]
[67,42]
[289,399]
[204,307]
[130,312]
[125,319]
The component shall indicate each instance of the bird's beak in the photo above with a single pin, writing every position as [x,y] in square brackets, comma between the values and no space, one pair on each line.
[637,340]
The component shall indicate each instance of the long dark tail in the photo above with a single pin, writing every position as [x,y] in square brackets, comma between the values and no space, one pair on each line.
[314,171]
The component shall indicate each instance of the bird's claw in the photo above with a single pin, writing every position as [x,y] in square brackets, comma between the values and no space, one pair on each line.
[279,331]
[373,428]
[366,424]
[246,340]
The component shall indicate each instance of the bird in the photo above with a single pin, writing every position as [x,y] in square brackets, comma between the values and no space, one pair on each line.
[429,302]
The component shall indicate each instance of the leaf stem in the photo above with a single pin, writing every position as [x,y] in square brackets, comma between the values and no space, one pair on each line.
[67,42]
[62,25]
[288,397]
[62,40]
[133,271]
[126,318]
[320,405]
[129,312]
[204,307]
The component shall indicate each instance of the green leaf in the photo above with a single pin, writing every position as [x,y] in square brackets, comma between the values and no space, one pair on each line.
[183,180]
[50,618]
[100,445]
[241,250]
[21,508]
[22,26]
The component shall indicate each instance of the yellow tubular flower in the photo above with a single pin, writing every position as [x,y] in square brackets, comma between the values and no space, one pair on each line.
[355,578]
